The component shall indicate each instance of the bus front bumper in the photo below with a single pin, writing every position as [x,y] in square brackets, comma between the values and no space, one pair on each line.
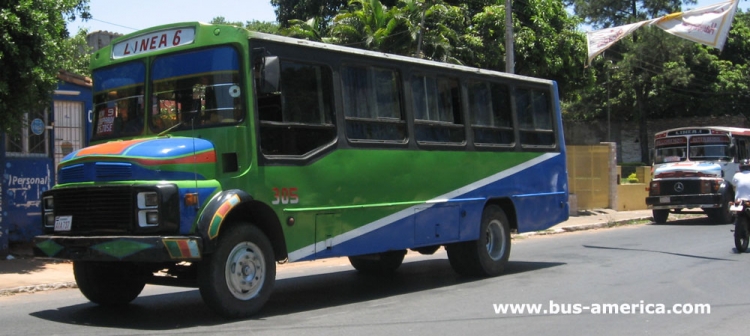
[119,248]
[705,201]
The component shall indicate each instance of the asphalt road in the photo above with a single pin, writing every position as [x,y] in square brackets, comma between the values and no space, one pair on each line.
[643,267]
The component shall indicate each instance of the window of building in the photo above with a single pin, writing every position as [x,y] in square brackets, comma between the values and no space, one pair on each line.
[30,138]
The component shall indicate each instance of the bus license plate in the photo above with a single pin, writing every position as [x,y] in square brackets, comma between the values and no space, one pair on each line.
[63,223]
[664,199]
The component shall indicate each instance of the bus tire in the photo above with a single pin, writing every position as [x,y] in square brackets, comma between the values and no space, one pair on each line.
[109,283]
[660,215]
[741,234]
[723,215]
[238,278]
[378,264]
[487,255]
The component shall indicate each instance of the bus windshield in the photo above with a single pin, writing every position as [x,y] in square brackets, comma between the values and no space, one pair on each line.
[670,150]
[196,89]
[710,148]
[118,101]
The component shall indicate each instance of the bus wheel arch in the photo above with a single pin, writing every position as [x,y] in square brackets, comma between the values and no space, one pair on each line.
[243,209]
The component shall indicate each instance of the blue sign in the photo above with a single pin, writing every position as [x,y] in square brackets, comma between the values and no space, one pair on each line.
[37,126]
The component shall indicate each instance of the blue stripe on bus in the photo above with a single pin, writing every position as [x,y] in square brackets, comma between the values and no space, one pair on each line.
[196,62]
[397,231]
[128,74]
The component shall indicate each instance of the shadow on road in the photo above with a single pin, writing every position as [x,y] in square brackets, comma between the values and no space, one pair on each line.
[291,295]
[655,251]
[690,220]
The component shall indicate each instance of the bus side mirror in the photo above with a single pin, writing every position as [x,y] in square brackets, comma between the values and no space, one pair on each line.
[651,155]
[733,150]
[270,74]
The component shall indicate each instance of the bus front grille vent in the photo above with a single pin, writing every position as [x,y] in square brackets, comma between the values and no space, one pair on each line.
[97,209]
[113,171]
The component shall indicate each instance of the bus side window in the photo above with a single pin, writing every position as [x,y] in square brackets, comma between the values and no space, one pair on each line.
[436,101]
[534,117]
[298,119]
[372,104]
[490,113]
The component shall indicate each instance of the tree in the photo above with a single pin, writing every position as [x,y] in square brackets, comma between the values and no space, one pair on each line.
[303,10]
[547,43]
[611,13]
[255,25]
[78,54]
[263,26]
[370,25]
[32,53]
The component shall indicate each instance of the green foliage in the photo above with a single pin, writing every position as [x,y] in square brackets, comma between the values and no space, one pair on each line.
[632,178]
[254,25]
[78,54]
[34,49]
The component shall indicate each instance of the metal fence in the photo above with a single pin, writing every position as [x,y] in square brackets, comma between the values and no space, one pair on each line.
[589,175]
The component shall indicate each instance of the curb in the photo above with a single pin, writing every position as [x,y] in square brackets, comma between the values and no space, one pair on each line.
[583,227]
[37,288]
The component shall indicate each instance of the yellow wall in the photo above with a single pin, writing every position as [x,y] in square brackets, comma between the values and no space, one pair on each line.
[589,181]
[631,197]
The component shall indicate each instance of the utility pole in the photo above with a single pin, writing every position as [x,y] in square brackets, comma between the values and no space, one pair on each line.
[419,35]
[509,61]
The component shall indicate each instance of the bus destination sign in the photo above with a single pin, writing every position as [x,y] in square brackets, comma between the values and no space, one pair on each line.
[159,40]
[689,132]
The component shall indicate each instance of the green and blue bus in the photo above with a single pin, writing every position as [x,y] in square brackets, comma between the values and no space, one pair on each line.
[218,152]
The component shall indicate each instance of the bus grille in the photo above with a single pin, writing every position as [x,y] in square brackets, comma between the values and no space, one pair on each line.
[689,187]
[101,209]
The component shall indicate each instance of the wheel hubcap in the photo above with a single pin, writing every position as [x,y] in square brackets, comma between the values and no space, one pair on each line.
[496,240]
[245,271]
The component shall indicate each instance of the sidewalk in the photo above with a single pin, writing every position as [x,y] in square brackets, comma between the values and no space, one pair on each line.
[23,273]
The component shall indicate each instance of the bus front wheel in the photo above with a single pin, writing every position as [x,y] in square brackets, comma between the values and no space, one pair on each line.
[487,255]
[238,278]
[109,283]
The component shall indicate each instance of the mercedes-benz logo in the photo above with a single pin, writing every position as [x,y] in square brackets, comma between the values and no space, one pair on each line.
[679,187]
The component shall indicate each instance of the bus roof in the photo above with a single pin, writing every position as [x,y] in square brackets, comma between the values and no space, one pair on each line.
[731,130]
[400,58]
[333,47]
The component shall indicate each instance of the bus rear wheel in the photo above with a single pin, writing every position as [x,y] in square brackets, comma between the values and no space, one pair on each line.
[238,278]
[487,255]
[378,264]
[109,283]
[660,215]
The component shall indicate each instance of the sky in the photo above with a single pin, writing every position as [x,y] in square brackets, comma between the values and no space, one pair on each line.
[130,15]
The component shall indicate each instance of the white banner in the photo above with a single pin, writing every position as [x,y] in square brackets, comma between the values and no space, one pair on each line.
[599,40]
[708,25]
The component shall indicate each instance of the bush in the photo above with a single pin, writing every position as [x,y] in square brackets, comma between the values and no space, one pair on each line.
[632,178]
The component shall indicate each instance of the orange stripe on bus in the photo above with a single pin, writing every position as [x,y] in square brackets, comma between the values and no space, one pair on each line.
[109,148]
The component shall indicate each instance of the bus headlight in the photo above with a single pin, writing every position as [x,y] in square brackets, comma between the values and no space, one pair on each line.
[49,203]
[48,207]
[148,209]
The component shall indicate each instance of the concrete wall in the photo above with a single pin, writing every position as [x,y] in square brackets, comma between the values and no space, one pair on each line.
[625,134]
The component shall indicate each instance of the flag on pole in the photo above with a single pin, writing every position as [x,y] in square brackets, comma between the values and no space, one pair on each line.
[599,40]
[708,25]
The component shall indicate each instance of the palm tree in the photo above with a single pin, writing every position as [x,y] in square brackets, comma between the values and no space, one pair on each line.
[370,25]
